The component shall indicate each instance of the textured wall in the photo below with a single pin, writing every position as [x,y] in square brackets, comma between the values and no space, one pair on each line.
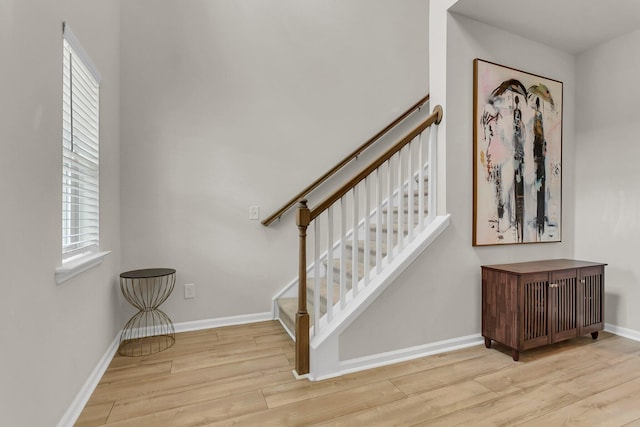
[52,335]
[227,104]
[607,174]
[439,296]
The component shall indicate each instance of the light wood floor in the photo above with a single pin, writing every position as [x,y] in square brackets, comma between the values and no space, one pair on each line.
[241,375]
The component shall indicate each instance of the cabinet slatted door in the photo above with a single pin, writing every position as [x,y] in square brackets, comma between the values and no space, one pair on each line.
[563,288]
[592,283]
[531,304]
[535,301]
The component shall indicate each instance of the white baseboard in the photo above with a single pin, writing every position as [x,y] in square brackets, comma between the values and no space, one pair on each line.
[198,325]
[623,332]
[75,409]
[402,355]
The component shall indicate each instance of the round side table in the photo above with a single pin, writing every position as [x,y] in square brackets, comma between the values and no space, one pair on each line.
[150,330]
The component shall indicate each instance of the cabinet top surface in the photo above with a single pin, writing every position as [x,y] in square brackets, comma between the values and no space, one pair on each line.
[540,266]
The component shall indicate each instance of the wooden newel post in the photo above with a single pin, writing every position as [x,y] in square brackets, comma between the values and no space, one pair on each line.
[303,218]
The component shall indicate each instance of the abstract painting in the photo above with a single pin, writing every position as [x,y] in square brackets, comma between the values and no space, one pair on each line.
[517,165]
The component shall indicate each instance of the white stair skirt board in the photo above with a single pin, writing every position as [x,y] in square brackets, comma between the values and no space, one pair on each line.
[75,409]
[622,332]
[324,347]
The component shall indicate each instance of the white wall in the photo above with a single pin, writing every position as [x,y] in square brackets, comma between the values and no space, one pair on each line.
[607,172]
[227,104]
[439,296]
[52,336]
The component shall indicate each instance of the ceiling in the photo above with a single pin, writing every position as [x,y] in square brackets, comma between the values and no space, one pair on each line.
[570,25]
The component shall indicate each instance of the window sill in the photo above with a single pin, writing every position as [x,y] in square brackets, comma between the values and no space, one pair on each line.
[77,266]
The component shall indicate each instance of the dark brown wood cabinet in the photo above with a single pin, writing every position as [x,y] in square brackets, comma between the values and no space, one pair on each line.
[530,304]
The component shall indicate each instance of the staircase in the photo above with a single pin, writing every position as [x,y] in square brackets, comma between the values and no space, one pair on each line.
[360,238]
[288,305]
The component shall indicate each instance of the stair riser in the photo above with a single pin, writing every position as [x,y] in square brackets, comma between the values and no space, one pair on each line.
[311,300]
[372,250]
[287,311]
[348,275]
[288,315]
[361,251]
[285,317]
[384,229]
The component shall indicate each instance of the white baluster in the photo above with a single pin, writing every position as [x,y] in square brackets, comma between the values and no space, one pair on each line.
[330,240]
[400,203]
[410,192]
[390,213]
[433,134]
[343,251]
[354,247]
[378,221]
[421,166]
[316,275]
[367,231]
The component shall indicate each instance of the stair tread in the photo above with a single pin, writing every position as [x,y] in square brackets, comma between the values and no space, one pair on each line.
[348,269]
[288,306]
[323,292]
[372,245]
[395,209]
[416,194]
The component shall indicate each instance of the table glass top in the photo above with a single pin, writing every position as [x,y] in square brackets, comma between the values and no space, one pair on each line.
[147,273]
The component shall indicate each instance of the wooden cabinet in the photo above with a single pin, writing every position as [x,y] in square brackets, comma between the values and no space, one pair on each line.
[530,304]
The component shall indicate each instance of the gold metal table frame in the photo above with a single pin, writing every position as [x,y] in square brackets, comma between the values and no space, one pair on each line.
[150,330]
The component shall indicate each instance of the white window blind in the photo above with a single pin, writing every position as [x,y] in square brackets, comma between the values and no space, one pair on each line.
[80,150]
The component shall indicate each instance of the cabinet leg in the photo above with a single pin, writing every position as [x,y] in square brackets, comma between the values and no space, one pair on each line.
[515,354]
[487,342]
[594,335]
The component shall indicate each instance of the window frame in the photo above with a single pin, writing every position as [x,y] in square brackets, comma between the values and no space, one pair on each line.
[80,160]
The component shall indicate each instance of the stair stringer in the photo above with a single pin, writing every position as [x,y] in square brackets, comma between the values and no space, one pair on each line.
[325,346]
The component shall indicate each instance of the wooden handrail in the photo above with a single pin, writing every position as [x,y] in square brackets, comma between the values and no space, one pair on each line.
[434,117]
[277,214]
[304,217]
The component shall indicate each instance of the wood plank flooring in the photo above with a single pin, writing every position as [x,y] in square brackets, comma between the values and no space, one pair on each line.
[241,376]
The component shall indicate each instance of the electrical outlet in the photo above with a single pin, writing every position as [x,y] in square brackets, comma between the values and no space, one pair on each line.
[189,291]
[254,212]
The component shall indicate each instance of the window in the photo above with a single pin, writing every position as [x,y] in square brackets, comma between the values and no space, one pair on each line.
[80,150]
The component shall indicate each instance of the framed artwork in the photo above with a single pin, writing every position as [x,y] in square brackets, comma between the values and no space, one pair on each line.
[517,163]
